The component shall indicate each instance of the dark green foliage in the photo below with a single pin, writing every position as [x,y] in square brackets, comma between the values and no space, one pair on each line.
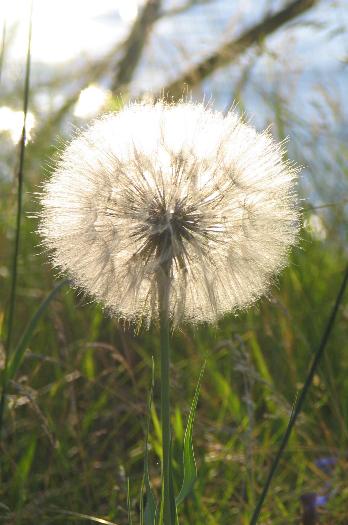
[74,426]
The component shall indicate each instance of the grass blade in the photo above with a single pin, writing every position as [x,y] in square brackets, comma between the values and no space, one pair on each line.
[12,300]
[14,274]
[173,507]
[23,469]
[18,354]
[14,362]
[85,517]
[189,463]
[130,521]
[299,403]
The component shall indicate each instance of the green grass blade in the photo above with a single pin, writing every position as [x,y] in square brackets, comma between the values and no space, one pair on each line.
[20,177]
[130,521]
[18,354]
[173,506]
[150,511]
[189,463]
[14,362]
[23,469]
[78,515]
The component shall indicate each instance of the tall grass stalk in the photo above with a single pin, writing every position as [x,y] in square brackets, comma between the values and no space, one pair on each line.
[20,177]
[300,400]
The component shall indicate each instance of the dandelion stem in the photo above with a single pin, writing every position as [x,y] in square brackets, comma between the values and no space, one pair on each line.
[163,292]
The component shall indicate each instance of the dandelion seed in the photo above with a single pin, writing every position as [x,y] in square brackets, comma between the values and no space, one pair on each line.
[175,186]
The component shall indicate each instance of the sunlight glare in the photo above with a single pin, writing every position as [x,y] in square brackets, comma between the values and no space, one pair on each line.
[91,101]
[128,10]
[12,122]
[63,30]
[316,227]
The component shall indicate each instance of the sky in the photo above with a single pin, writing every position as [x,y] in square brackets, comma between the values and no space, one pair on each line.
[62,30]
[70,29]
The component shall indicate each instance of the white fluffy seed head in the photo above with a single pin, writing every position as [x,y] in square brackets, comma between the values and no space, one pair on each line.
[180,186]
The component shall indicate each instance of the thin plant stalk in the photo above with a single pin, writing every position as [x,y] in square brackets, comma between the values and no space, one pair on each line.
[163,292]
[301,398]
[20,177]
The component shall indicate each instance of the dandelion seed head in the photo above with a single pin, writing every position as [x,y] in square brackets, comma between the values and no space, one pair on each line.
[180,186]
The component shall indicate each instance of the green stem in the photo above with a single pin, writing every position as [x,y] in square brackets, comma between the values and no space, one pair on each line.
[19,192]
[163,294]
[12,300]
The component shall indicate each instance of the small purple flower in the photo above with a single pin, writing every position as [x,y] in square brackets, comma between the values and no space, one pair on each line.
[326,463]
[311,500]
[321,500]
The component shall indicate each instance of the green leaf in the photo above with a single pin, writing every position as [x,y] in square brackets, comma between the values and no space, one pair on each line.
[150,507]
[23,470]
[25,463]
[189,463]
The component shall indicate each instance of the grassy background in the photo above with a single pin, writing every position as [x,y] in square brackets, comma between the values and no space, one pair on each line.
[74,424]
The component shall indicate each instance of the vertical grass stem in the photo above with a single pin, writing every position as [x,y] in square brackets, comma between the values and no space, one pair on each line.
[12,299]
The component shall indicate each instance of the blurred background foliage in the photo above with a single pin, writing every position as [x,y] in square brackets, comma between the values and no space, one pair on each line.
[74,423]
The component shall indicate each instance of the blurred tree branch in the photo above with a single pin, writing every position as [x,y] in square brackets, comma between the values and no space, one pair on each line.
[132,48]
[134,44]
[233,49]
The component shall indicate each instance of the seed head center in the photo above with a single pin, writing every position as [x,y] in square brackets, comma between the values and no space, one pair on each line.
[166,228]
